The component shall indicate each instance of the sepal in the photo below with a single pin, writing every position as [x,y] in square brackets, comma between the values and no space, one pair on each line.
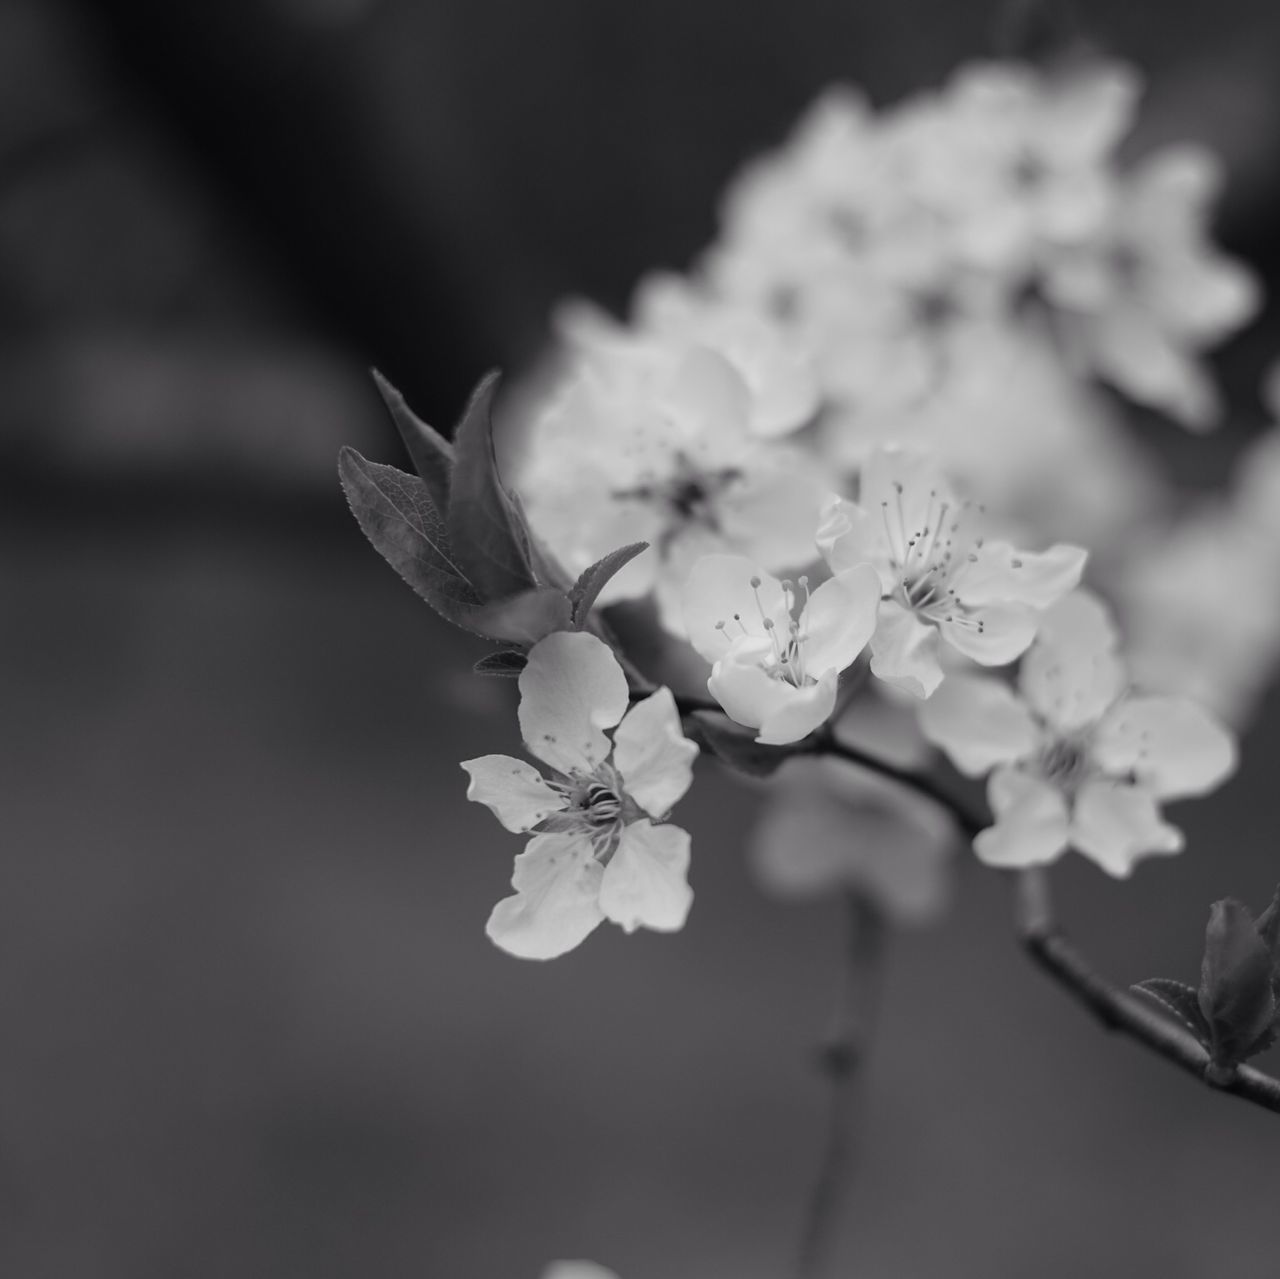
[737,746]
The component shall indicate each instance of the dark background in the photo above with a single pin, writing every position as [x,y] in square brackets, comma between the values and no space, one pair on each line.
[252,1026]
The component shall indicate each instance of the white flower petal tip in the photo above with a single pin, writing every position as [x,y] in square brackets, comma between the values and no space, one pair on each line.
[776,648]
[597,854]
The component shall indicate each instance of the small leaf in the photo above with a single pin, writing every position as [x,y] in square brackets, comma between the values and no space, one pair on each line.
[430,452]
[1180,1001]
[1268,926]
[593,579]
[736,746]
[1235,993]
[485,525]
[524,618]
[509,661]
[397,515]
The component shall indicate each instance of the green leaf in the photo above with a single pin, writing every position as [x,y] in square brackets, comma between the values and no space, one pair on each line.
[509,661]
[593,580]
[397,515]
[430,452]
[486,527]
[1235,994]
[524,618]
[737,746]
[1180,1001]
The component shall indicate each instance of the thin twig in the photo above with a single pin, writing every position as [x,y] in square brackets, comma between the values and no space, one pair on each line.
[843,1053]
[825,742]
[1119,1010]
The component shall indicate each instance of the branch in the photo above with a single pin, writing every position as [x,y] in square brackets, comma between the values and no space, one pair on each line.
[825,742]
[844,1050]
[1119,1010]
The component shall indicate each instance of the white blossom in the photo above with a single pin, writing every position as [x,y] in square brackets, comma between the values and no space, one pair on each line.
[776,648]
[631,452]
[1076,757]
[942,581]
[601,849]
[1141,300]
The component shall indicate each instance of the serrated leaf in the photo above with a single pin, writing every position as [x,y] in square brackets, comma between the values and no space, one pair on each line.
[1180,1001]
[486,528]
[1235,993]
[593,580]
[397,515]
[507,662]
[737,746]
[524,618]
[431,454]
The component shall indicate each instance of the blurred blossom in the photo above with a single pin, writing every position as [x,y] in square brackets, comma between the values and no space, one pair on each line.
[828,827]
[1144,298]
[577,1270]
[661,452]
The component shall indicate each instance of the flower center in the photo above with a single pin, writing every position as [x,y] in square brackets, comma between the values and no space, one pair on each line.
[1065,762]
[783,656]
[688,495]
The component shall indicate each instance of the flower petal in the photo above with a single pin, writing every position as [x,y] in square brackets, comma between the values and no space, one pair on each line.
[556,902]
[1031,821]
[904,651]
[516,792]
[577,1270]
[979,723]
[999,572]
[645,882]
[1071,688]
[571,690]
[802,711]
[719,590]
[653,755]
[992,635]
[743,688]
[1170,743]
[848,536]
[771,510]
[839,619]
[1115,824]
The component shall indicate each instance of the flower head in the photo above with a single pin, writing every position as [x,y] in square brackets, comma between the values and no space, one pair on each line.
[776,648]
[1079,760]
[941,580]
[601,849]
[664,454]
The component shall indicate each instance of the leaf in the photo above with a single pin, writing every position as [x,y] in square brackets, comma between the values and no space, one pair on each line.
[430,452]
[737,746]
[485,525]
[1235,993]
[397,515]
[1268,926]
[1180,1001]
[524,618]
[593,579]
[509,661]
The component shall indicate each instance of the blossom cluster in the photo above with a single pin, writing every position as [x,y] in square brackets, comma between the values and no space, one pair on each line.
[864,475]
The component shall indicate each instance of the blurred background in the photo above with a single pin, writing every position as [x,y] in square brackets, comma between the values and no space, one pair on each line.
[252,1026]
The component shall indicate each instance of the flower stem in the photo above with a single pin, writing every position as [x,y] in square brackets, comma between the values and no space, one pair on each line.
[843,1052]
[1117,1009]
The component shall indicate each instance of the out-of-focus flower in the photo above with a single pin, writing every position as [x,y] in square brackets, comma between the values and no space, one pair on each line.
[776,652]
[602,850]
[827,827]
[630,453]
[670,315]
[1149,293]
[1030,163]
[941,580]
[1079,760]
[577,1270]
